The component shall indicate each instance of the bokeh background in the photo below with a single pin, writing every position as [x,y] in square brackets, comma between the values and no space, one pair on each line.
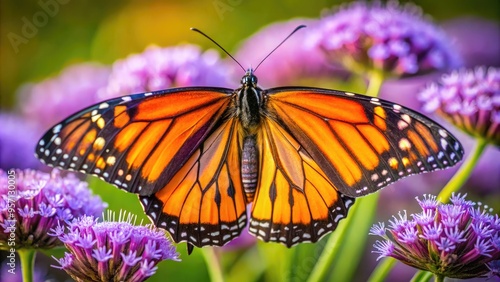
[104,31]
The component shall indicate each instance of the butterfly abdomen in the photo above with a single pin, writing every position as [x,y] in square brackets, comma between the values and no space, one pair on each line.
[250,166]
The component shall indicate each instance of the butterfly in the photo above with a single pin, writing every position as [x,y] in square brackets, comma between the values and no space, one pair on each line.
[197,156]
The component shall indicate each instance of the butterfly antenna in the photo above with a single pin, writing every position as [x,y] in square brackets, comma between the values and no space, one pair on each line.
[209,38]
[294,31]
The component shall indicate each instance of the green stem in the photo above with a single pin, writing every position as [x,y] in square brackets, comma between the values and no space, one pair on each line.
[27,257]
[438,278]
[213,264]
[464,172]
[375,83]
[382,269]
[422,276]
[332,246]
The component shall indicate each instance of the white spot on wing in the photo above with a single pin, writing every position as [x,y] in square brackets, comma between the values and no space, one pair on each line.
[406,118]
[402,125]
[103,105]
[443,133]
[440,155]
[404,144]
[57,128]
[375,101]
[444,144]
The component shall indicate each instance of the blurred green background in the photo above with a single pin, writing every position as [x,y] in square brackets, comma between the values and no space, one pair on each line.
[103,31]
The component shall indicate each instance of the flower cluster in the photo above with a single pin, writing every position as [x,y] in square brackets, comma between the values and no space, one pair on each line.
[389,38]
[31,203]
[470,99]
[161,68]
[53,99]
[112,251]
[457,240]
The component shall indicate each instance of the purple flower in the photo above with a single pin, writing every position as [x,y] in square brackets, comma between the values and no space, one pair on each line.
[161,68]
[457,240]
[32,203]
[396,40]
[470,99]
[113,251]
[293,63]
[18,137]
[53,99]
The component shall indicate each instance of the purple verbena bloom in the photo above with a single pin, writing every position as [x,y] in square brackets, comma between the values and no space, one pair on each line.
[463,250]
[33,203]
[470,99]
[51,100]
[389,38]
[113,251]
[294,62]
[161,68]
[18,138]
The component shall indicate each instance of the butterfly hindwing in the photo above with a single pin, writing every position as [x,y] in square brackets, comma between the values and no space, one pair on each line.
[204,203]
[136,142]
[295,201]
[362,144]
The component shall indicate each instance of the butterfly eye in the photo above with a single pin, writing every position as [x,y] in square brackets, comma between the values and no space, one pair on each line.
[253,79]
[249,79]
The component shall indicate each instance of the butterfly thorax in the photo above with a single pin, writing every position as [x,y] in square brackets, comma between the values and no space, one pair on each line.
[249,102]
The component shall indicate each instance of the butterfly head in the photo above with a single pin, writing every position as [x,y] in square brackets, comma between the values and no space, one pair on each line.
[249,79]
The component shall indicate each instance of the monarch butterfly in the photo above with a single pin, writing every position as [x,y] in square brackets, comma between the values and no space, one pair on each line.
[196,156]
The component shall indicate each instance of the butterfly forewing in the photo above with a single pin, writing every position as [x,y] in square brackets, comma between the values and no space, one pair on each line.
[136,142]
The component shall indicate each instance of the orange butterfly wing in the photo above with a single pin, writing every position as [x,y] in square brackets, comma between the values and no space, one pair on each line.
[295,201]
[360,143]
[136,142]
[177,149]
[204,203]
